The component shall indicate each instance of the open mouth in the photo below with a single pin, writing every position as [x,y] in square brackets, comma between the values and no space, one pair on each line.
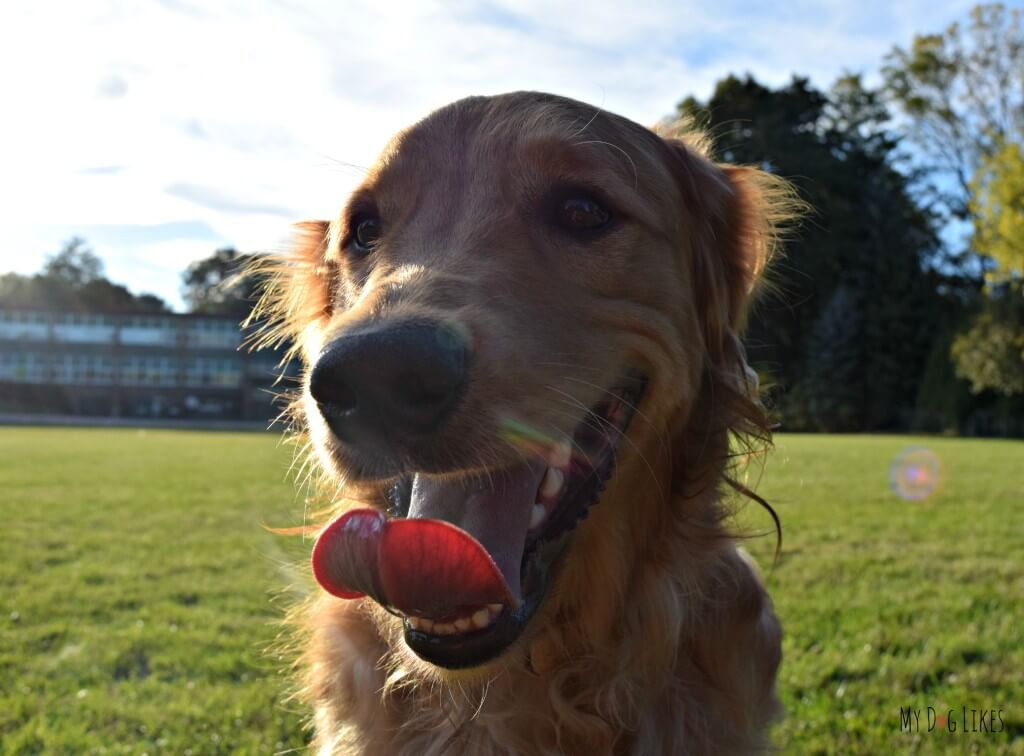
[467,561]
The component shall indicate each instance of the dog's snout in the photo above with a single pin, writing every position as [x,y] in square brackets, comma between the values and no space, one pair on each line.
[377,385]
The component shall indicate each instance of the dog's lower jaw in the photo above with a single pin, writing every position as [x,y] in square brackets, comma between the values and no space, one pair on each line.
[370,700]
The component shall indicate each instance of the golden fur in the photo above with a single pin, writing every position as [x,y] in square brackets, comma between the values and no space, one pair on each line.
[657,637]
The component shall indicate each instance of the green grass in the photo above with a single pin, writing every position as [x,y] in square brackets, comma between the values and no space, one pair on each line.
[139,594]
[140,598]
[888,603]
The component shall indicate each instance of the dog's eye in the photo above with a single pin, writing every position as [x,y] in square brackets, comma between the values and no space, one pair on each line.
[580,212]
[365,234]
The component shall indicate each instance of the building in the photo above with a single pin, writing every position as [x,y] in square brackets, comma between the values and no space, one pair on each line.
[162,366]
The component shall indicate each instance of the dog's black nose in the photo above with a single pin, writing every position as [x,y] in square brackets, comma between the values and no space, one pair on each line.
[378,384]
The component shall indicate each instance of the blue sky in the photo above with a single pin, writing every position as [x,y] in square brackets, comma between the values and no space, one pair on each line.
[161,130]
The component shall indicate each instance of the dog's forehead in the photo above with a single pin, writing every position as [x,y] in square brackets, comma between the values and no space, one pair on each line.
[480,136]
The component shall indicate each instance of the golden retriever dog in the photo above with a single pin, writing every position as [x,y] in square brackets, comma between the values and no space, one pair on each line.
[525,389]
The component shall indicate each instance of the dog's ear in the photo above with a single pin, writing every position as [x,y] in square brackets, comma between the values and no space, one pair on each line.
[735,215]
[311,237]
[748,225]
[295,288]
[746,237]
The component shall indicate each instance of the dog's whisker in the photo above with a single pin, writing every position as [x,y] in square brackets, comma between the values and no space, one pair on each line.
[636,172]
[351,168]
[602,424]
[660,435]
[586,126]
[579,453]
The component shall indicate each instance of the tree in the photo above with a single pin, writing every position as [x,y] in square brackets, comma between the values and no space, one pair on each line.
[991,355]
[963,91]
[832,393]
[990,352]
[220,284]
[75,265]
[997,206]
[73,279]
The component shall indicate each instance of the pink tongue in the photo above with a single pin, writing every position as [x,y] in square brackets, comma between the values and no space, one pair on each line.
[461,546]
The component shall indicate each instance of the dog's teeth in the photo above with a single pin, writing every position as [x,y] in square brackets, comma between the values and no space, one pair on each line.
[426,624]
[462,624]
[495,609]
[561,453]
[444,628]
[481,618]
[552,482]
[537,515]
[414,622]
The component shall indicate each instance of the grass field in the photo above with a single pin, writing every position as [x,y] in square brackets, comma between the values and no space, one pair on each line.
[140,598]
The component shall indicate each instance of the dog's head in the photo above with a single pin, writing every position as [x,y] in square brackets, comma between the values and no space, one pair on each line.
[528,313]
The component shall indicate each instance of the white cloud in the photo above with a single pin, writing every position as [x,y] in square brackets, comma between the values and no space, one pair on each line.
[237,114]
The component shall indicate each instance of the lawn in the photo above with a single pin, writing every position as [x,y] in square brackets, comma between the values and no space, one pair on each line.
[140,598]
[139,595]
[889,603]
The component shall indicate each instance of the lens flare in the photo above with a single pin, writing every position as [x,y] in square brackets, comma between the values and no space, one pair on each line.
[525,437]
[916,474]
[533,441]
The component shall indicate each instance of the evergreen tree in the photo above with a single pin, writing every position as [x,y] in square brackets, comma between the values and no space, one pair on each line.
[832,393]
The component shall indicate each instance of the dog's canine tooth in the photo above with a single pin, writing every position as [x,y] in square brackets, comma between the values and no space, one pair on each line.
[495,609]
[561,454]
[414,622]
[537,515]
[552,482]
[481,618]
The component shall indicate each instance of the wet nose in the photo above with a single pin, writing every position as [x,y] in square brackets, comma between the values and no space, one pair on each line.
[403,378]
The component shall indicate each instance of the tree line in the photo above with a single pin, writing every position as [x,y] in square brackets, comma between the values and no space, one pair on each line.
[899,303]
[73,279]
